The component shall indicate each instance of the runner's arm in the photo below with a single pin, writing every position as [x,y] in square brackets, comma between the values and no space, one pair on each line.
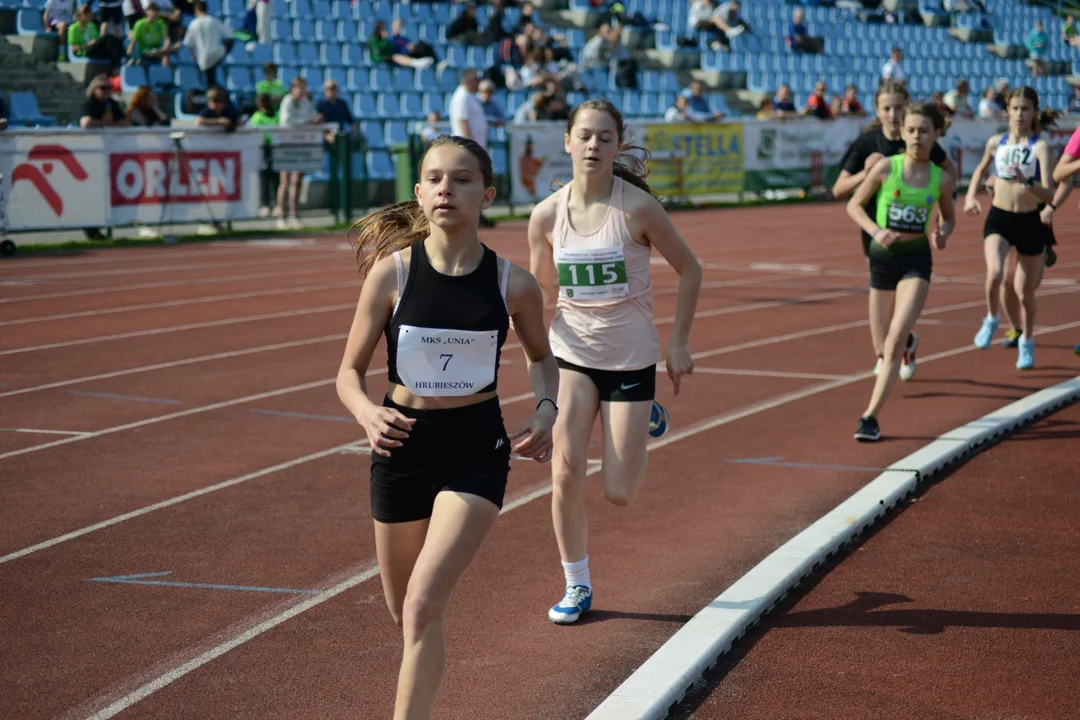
[1066,167]
[655,225]
[1045,191]
[946,209]
[863,195]
[541,257]
[982,167]
[372,314]
[525,302]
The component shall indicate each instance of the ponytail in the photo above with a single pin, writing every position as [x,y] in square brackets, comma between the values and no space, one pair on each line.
[1046,119]
[383,232]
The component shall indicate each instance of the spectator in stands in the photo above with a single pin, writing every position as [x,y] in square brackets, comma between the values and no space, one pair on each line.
[143,110]
[1073,107]
[817,105]
[1002,93]
[598,51]
[798,35]
[111,16]
[332,109]
[698,105]
[765,109]
[206,40]
[133,11]
[784,103]
[296,110]
[58,15]
[988,105]
[528,16]
[467,118]
[492,111]
[271,85]
[1037,44]
[893,71]
[382,51]
[679,112]
[957,100]
[849,104]
[495,31]
[431,130]
[465,28]
[264,16]
[938,100]
[552,107]
[265,115]
[704,16]
[150,37]
[84,39]
[100,109]
[219,112]
[404,46]
[1069,32]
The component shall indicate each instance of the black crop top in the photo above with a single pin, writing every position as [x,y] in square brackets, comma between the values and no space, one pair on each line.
[446,334]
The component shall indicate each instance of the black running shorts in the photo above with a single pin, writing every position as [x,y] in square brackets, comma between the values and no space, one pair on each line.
[619,385]
[888,266]
[1024,231]
[459,450]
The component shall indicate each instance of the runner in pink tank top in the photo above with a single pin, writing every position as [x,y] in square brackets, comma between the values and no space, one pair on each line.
[591,243]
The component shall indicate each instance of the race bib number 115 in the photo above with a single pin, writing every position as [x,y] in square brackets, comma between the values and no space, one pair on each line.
[592,274]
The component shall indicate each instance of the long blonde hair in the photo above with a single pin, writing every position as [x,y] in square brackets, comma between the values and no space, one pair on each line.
[383,232]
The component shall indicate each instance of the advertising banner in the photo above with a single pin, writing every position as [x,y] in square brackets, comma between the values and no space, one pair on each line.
[799,152]
[695,159]
[56,180]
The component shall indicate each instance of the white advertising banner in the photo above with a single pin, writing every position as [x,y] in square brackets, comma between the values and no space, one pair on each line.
[539,162]
[56,180]
[790,144]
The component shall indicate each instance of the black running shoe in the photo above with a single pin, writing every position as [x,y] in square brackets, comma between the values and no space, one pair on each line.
[1012,338]
[868,430]
[1051,256]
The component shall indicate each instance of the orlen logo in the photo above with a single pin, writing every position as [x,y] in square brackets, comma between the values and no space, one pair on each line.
[140,178]
[45,156]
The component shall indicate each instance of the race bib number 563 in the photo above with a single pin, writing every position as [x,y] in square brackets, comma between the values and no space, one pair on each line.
[908,218]
[592,274]
[433,362]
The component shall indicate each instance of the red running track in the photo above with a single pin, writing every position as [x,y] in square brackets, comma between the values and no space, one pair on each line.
[963,606]
[181,418]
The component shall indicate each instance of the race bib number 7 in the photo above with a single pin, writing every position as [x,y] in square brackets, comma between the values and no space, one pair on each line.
[434,362]
[592,274]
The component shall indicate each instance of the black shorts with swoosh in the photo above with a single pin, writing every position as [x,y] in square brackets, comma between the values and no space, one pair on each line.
[618,385]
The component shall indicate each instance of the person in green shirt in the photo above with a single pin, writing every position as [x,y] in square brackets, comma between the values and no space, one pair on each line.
[265,115]
[84,39]
[271,86]
[907,187]
[382,51]
[150,36]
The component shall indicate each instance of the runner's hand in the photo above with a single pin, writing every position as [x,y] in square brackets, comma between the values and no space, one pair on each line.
[872,160]
[535,435]
[1047,215]
[972,206]
[885,237]
[679,362]
[938,238]
[385,428]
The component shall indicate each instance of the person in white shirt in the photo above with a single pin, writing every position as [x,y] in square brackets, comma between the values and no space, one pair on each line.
[891,71]
[296,109]
[205,38]
[467,117]
[58,15]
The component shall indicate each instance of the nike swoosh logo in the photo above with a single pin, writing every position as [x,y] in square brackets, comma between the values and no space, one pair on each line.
[627,387]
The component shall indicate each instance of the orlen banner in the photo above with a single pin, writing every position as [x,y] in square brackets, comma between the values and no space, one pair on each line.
[53,180]
[209,177]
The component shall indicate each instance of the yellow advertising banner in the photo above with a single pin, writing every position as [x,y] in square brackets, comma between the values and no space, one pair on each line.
[695,159]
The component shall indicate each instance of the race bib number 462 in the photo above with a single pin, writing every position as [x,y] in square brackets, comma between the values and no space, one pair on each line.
[433,362]
[592,274]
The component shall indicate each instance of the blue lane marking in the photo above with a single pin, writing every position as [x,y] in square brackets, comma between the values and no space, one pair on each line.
[776,462]
[139,580]
[135,398]
[336,418]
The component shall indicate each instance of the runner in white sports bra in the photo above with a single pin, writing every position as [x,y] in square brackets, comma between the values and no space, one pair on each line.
[592,241]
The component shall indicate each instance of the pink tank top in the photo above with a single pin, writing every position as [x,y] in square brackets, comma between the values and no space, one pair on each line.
[604,316]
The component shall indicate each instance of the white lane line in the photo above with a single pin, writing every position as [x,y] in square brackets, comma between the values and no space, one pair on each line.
[45,432]
[180,328]
[657,685]
[172,675]
[178,363]
[767,373]
[149,254]
[166,283]
[180,303]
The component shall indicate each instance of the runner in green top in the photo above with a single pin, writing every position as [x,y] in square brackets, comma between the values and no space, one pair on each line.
[907,188]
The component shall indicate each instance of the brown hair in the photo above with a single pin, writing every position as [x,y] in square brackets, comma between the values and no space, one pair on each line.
[928,110]
[887,88]
[630,168]
[383,232]
[1044,119]
[140,100]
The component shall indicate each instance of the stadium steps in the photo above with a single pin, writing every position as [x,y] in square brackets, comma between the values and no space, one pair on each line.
[59,94]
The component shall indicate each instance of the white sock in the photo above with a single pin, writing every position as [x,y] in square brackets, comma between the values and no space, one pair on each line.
[995,318]
[577,573]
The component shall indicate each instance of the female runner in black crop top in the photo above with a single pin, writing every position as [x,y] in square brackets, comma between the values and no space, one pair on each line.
[440,453]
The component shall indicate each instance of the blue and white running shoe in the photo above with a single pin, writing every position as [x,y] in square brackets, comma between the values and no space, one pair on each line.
[658,420]
[578,600]
[1025,359]
[985,336]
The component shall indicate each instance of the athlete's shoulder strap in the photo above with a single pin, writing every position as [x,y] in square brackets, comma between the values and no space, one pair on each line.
[504,281]
[400,265]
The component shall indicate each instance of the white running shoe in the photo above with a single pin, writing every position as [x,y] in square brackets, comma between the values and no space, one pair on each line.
[907,365]
[878,364]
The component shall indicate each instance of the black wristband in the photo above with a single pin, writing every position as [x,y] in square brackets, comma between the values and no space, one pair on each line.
[1052,205]
[547,399]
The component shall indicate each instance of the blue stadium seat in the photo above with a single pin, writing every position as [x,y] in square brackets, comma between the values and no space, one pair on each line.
[364,105]
[433,102]
[303,30]
[422,13]
[238,79]
[320,9]
[312,75]
[187,78]
[442,14]
[428,33]
[354,56]
[412,105]
[379,166]
[132,77]
[456,56]
[424,79]
[374,132]
[238,55]
[29,21]
[280,30]
[285,55]
[382,78]
[259,55]
[159,77]
[397,132]
[330,54]
[357,80]
[300,9]
[307,53]
[346,31]
[477,57]
[337,75]
[24,111]
[387,105]
[325,30]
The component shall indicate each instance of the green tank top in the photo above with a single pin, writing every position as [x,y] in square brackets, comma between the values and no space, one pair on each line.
[903,208]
